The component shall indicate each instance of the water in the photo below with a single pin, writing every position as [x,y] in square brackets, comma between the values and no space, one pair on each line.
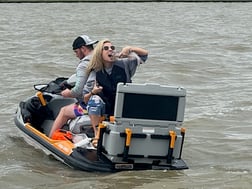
[204,47]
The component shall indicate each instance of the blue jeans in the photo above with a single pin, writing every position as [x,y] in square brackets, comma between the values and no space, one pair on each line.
[95,106]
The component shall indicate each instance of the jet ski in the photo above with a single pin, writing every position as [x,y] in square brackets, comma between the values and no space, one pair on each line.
[145,132]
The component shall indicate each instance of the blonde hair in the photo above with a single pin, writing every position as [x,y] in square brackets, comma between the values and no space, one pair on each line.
[96,62]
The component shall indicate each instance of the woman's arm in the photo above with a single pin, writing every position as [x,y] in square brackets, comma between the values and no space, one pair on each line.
[96,89]
[129,49]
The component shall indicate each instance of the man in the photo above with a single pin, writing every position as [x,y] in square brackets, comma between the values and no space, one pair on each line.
[83,48]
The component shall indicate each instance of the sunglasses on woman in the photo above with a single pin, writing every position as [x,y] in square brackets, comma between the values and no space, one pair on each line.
[107,48]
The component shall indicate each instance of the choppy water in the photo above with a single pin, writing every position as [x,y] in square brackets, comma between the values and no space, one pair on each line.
[204,47]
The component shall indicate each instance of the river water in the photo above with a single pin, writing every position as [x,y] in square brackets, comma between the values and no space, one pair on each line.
[203,47]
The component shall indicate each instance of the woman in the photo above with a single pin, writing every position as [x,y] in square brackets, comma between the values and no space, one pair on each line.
[109,72]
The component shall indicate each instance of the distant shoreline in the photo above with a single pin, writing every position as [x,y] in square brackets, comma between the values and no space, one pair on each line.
[111,1]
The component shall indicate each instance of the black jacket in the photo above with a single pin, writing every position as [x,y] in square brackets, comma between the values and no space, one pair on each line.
[109,84]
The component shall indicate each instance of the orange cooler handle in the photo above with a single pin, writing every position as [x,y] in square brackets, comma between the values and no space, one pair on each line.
[128,136]
[173,136]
